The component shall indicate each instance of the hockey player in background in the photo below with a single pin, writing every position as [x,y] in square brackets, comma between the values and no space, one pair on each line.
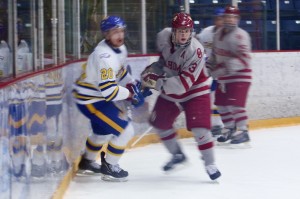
[230,64]
[102,87]
[181,78]
[206,39]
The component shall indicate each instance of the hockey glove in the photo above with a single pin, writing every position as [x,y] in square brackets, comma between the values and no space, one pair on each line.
[150,80]
[146,92]
[137,98]
[151,75]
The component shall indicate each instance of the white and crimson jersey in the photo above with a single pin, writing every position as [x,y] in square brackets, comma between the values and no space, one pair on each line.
[232,51]
[101,76]
[206,39]
[184,69]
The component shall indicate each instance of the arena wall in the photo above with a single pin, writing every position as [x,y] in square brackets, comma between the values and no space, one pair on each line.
[274,100]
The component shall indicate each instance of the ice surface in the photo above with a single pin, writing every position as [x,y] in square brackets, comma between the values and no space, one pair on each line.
[270,169]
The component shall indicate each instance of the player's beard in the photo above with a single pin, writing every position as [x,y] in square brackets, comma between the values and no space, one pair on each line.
[117,43]
[230,27]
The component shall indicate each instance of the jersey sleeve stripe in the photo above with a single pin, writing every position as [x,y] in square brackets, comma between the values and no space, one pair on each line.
[113,95]
[86,85]
[125,72]
[86,97]
[190,76]
[106,85]
[243,62]
[184,83]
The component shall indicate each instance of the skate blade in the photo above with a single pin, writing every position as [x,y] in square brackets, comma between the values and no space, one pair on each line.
[87,173]
[216,181]
[228,145]
[178,167]
[108,178]
[244,145]
[222,144]
[38,178]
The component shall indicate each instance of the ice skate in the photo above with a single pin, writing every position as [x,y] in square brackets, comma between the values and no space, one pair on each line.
[38,172]
[213,171]
[19,168]
[55,167]
[88,167]
[18,171]
[216,131]
[177,161]
[226,136]
[240,139]
[112,173]
[38,164]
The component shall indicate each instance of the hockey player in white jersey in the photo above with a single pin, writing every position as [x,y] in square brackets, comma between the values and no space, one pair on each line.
[181,78]
[206,39]
[104,82]
[230,64]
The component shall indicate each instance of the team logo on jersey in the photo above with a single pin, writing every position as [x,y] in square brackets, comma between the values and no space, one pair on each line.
[173,66]
[199,53]
[104,55]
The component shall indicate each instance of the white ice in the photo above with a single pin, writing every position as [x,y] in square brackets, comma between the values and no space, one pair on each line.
[269,169]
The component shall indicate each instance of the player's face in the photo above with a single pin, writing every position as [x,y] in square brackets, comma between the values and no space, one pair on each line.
[116,37]
[218,21]
[182,35]
[231,20]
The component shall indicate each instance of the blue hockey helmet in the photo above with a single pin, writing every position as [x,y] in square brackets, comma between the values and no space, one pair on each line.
[219,12]
[111,22]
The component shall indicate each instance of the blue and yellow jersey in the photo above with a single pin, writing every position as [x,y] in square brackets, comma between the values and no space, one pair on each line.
[101,76]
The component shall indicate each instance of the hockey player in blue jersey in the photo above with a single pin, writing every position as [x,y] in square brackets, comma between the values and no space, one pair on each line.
[101,91]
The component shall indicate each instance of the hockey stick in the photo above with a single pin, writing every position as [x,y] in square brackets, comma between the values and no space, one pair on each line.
[141,136]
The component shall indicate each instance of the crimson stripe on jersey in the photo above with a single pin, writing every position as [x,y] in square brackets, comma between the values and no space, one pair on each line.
[243,61]
[189,75]
[206,87]
[247,75]
[184,83]
[235,77]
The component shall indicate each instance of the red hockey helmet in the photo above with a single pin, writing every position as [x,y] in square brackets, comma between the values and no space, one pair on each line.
[232,10]
[182,20]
